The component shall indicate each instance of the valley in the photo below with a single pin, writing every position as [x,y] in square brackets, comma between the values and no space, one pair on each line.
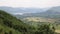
[51,16]
[44,22]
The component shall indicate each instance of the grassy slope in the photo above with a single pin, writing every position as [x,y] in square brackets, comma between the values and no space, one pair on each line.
[6,16]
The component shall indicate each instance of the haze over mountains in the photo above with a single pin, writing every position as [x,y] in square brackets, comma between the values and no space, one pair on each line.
[53,10]
[21,10]
[37,11]
[45,12]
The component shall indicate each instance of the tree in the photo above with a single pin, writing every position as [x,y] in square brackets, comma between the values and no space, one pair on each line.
[44,29]
[10,32]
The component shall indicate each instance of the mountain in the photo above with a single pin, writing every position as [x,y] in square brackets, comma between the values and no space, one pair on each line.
[20,10]
[11,25]
[52,12]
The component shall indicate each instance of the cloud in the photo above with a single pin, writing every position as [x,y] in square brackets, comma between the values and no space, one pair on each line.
[30,3]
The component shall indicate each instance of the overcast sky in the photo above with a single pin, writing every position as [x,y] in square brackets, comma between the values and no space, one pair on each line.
[30,3]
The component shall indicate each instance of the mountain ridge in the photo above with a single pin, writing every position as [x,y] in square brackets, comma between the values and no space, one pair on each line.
[21,9]
[9,23]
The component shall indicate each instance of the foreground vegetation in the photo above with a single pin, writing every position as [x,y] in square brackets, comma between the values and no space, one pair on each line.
[12,25]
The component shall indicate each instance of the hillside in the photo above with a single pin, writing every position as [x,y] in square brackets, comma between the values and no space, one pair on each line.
[11,25]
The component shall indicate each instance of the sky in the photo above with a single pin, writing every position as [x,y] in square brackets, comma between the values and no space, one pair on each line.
[30,3]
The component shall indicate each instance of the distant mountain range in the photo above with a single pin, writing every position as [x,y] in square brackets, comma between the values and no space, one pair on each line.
[45,12]
[21,10]
[53,12]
